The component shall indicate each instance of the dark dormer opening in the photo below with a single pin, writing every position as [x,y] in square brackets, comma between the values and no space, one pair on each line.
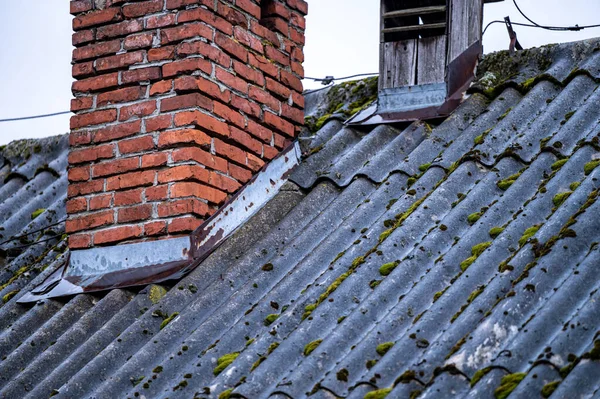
[413,19]
[267,12]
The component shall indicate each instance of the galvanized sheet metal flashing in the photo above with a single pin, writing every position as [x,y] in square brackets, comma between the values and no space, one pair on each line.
[120,266]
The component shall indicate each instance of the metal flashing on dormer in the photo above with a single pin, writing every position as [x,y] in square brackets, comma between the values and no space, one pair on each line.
[120,266]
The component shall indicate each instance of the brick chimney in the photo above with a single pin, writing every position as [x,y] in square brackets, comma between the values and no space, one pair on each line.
[178,103]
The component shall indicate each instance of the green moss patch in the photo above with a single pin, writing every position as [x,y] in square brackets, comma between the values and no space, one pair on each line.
[474,217]
[549,388]
[226,394]
[530,232]
[506,183]
[270,319]
[9,296]
[559,164]
[590,166]
[156,293]
[388,268]
[479,374]
[560,198]
[508,384]
[169,319]
[382,349]
[225,361]
[37,213]
[378,394]
[476,251]
[311,346]
[496,231]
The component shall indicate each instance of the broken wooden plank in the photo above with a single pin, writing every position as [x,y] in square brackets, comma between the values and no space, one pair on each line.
[398,64]
[411,28]
[414,11]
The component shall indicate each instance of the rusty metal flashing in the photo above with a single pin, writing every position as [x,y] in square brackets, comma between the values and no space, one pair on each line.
[120,266]
[422,102]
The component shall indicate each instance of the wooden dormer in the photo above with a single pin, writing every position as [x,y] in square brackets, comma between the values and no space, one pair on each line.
[429,52]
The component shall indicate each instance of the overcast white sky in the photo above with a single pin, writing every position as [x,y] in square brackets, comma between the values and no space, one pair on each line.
[342,39]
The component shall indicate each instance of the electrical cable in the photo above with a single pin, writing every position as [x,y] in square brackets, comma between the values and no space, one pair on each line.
[555,28]
[23,118]
[32,232]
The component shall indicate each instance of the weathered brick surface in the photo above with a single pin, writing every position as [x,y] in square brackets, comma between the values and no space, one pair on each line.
[178,103]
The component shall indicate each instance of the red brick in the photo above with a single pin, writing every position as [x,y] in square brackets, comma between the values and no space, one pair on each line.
[91,154]
[120,29]
[155,159]
[263,64]
[243,36]
[175,137]
[130,180]
[90,221]
[250,7]
[155,228]
[211,89]
[279,140]
[95,18]
[80,241]
[88,187]
[197,190]
[157,193]
[140,75]
[231,47]
[247,107]
[182,207]
[93,118]
[137,144]
[279,124]
[81,103]
[233,16]
[269,152]
[171,4]
[297,37]
[204,49]
[96,83]
[265,98]
[101,201]
[291,81]
[276,8]
[184,224]
[230,115]
[255,163]
[81,173]
[137,110]
[297,54]
[76,205]
[82,37]
[161,53]
[117,132]
[92,51]
[223,183]
[251,75]
[298,69]
[265,33]
[183,173]
[292,113]
[128,197]
[232,81]
[142,8]
[229,152]
[117,234]
[278,89]
[277,56]
[298,21]
[143,40]
[259,131]
[200,156]
[183,101]
[158,123]
[203,121]
[79,138]
[162,87]
[299,5]
[186,66]
[204,15]
[116,166]
[240,174]
[160,21]
[298,99]
[119,61]
[246,140]
[80,6]
[186,31]
[135,213]
[83,69]
[277,24]
[120,96]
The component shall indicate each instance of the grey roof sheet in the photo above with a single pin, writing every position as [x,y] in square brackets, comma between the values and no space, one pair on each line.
[379,257]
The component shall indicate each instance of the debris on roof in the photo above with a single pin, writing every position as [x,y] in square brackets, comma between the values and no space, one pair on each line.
[367,274]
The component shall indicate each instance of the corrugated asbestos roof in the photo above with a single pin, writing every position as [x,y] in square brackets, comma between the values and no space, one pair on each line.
[457,260]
